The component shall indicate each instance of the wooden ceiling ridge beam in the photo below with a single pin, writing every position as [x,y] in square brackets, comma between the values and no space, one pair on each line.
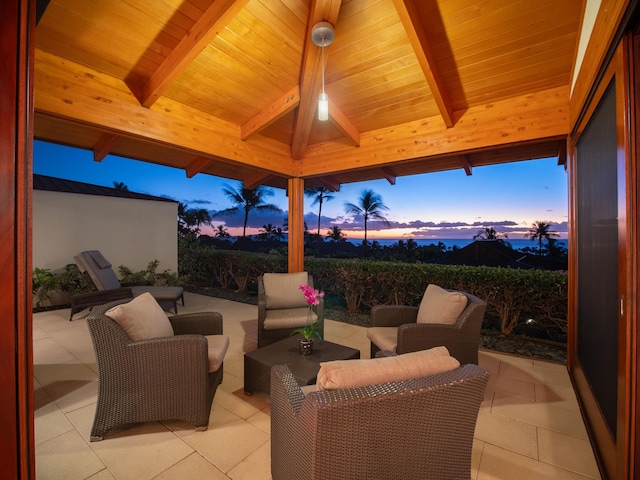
[198,166]
[103,146]
[342,123]
[273,112]
[212,21]
[417,37]
[310,72]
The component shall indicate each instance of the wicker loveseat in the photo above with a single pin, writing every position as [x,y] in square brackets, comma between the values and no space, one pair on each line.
[413,429]
[161,378]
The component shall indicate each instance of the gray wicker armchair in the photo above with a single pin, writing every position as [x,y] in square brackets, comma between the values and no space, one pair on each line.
[162,378]
[276,319]
[414,429]
[462,338]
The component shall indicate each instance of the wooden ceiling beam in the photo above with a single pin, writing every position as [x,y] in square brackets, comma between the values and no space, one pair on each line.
[389,175]
[330,183]
[214,19]
[103,147]
[417,37]
[562,153]
[310,73]
[198,166]
[342,123]
[254,181]
[273,112]
[66,90]
[466,164]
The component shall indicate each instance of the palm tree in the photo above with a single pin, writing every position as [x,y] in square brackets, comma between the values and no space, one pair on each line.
[319,194]
[335,234]
[201,216]
[539,232]
[120,186]
[369,206]
[489,233]
[248,199]
[221,232]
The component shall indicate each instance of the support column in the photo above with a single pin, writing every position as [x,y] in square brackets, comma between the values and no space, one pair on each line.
[295,192]
[16,140]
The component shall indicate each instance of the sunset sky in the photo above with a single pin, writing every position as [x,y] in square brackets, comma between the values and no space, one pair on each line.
[444,205]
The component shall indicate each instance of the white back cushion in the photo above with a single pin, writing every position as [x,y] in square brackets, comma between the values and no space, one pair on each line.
[142,318]
[440,306]
[282,290]
[341,374]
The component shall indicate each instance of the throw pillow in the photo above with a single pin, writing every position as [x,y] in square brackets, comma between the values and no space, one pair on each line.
[282,290]
[440,306]
[341,374]
[142,318]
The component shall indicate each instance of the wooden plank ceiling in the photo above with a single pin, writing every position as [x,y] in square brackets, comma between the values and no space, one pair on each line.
[229,88]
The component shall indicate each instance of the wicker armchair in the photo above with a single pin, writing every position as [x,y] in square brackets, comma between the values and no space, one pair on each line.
[161,378]
[396,324]
[414,429]
[276,319]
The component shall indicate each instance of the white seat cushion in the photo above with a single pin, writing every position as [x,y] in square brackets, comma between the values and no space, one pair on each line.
[288,318]
[341,374]
[385,338]
[142,318]
[440,306]
[217,349]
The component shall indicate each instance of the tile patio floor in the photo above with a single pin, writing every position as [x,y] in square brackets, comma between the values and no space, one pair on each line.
[529,426]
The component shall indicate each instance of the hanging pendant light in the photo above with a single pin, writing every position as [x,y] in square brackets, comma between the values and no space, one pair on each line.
[322,35]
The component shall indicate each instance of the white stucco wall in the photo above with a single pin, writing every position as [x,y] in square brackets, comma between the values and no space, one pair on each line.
[128,232]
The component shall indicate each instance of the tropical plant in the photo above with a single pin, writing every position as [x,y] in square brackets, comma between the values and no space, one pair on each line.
[311,329]
[319,194]
[370,206]
[190,219]
[540,231]
[336,234]
[120,186]
[247,199]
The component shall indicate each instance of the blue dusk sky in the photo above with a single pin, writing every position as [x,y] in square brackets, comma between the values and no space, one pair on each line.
[443,205]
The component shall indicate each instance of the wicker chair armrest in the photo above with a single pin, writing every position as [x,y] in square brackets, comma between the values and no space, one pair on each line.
[201,323]
[393,315]
[462,343]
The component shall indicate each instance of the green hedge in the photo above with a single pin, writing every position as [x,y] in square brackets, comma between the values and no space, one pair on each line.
[516,299]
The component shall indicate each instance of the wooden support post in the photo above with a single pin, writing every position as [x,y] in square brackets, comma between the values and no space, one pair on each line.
[295,191]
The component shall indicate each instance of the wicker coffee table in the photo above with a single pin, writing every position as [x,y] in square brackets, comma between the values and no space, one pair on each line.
[257,364]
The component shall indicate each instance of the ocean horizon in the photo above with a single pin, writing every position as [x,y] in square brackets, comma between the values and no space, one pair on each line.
[449,243]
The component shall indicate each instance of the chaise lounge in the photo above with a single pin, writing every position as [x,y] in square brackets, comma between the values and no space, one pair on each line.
[109,287]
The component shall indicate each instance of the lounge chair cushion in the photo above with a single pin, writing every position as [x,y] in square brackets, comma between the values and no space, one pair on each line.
[282,290]
[440,306]
[217,348]
[341,374]
[142,318]
[288,318]
[385,338]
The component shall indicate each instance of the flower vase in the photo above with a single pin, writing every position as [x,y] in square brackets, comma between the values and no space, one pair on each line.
[305,345]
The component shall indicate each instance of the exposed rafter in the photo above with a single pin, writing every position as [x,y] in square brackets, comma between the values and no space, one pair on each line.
[388,174]
[103,147]
[321,10]
[416,34]
[330,183]
[466,164]
[198,165]
[342,123]
[214,19]
[254,181]
[273,112]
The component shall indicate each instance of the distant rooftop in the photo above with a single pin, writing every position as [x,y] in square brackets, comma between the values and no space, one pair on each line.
[53,184]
